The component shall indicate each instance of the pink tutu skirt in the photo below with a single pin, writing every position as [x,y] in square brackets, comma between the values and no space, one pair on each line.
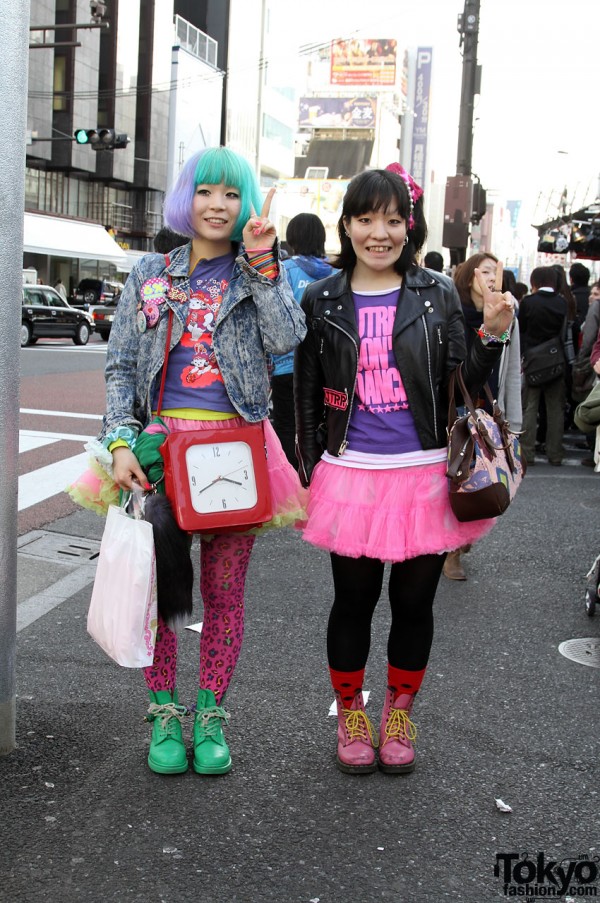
[96,490]
[390,515]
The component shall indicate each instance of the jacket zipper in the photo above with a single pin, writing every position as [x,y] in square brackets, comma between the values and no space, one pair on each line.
[435,426]
[344,444]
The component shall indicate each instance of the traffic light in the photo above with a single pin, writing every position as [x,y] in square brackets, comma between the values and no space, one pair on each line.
[101,139]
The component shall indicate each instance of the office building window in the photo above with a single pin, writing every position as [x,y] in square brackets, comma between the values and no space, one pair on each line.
[275,130]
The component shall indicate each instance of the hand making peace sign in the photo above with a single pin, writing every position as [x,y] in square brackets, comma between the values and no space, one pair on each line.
[259,232]
[498,306]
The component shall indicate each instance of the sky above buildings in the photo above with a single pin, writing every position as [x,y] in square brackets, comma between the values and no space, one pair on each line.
[536,124]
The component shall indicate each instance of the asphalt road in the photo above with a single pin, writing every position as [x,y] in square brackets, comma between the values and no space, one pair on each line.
[502,715]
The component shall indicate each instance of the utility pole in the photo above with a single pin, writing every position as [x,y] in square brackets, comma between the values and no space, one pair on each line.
[14,38]
[468,27]
[464,202]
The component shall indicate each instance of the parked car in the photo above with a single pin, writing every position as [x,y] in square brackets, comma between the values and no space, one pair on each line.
[46,315]
[104,315]
[95,291]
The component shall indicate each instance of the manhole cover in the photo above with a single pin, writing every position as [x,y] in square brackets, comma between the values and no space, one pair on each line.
[585,651]
[60,547]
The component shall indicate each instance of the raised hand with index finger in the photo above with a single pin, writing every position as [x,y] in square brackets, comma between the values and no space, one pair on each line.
[259,231]
[498,306]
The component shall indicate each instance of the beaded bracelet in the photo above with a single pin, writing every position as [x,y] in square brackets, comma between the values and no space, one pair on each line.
[484,334]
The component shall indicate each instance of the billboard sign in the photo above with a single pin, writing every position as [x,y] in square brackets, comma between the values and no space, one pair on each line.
[421,109]
[363,62]
[338,112]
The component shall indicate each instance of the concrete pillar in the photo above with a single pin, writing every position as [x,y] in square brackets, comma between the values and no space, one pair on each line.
[14,41]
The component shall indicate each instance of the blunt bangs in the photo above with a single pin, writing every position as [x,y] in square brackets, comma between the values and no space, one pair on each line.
[376,190]
[212,166]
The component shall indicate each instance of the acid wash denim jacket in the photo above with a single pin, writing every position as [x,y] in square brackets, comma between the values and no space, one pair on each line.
[258,316]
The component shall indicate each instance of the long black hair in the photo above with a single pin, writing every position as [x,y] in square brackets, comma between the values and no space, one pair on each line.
[369,192]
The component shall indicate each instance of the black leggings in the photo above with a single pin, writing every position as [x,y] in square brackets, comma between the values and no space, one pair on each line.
[357,583]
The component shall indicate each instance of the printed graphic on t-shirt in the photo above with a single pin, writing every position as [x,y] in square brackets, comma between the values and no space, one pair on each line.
[204,307]
[381,421]
[378,383]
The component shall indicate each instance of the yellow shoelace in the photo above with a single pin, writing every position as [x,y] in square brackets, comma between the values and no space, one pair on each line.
[399,726]
[358,726]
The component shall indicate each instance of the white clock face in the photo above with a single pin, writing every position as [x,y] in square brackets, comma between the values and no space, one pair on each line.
[221,477]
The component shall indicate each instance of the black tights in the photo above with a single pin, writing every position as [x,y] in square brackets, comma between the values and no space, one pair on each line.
[358,583]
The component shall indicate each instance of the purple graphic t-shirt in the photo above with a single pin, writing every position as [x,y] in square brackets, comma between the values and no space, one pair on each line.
[193,376]
[381,421]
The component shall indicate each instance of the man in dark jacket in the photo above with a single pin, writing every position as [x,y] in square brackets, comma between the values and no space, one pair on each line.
[542,317]
[579,276]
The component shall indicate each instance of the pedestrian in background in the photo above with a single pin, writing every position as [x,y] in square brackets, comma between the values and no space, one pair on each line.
[60,288]
[433,260]
[542,316]
[505,379]
[225,282]
[579,277]
[305,237]
[166,240]
[371,386]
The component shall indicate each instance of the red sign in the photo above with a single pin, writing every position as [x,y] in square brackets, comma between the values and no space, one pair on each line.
[363,62]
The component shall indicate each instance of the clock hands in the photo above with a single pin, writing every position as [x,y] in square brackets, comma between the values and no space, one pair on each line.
[220,480]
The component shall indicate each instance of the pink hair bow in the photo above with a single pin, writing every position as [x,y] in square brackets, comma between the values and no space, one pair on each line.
[414,191]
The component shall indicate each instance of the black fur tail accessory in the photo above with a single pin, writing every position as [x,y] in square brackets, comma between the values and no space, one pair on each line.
[174,571]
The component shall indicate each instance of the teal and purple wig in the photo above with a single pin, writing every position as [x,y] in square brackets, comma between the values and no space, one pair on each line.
[212,166]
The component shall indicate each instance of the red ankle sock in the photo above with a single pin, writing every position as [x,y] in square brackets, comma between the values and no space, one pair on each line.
[402,681]
[347,683]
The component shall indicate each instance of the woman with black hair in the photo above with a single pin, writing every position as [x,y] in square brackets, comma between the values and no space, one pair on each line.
[371,390]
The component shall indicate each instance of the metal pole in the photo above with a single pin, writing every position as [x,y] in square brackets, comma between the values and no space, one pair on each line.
[261,79]
[14,38]
[469,84]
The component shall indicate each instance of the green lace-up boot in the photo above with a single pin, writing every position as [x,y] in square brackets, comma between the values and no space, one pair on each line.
[167,753]
[211,753]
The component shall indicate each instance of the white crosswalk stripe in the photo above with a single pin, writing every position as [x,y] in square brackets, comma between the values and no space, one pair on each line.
[52,479]
[39,485]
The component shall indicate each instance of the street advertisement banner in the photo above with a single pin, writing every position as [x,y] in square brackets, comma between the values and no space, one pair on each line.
[421,110]
[363,62]
[338,112]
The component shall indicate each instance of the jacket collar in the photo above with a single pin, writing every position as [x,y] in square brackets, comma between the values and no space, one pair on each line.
[180,260]
[415,278]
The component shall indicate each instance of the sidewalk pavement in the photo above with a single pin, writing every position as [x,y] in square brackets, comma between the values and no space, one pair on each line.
[502,715]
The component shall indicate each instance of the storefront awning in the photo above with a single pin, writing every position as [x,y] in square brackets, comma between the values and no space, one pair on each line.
[132,259]
[60,237]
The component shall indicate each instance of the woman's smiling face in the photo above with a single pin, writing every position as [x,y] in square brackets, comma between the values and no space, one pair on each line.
[377,239]
[215,211]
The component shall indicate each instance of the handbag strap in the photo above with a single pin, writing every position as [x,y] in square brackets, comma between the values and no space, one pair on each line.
[498,416]
[164,368]
[457,377]
[167,347]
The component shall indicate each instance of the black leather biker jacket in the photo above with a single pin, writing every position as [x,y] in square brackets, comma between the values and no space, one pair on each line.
[428,341]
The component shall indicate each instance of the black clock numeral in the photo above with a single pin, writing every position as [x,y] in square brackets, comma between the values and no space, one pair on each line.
[193,481]
[245,474]
[216,452]
[224,503]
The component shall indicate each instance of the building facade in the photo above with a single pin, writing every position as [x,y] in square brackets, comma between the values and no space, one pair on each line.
[107,65]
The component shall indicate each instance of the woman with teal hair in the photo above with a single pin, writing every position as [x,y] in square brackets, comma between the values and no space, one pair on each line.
[228,306]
